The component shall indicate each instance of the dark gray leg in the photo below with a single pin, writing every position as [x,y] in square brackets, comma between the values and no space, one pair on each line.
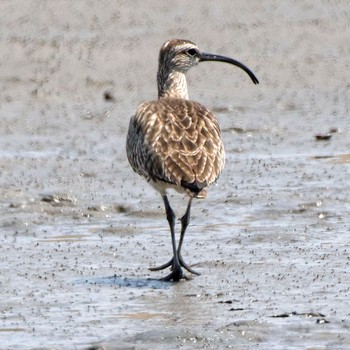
[185,220]
[177,261]
[176,273]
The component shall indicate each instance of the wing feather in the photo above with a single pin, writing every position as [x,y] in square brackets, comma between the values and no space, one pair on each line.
[176,141]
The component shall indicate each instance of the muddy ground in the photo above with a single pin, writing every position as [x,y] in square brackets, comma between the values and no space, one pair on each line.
[79,229]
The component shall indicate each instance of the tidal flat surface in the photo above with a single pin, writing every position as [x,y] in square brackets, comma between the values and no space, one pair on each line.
[79,230]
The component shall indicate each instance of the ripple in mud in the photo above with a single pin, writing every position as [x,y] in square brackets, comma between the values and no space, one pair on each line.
[337,158]
[59,199]
[126,282]
[294,313]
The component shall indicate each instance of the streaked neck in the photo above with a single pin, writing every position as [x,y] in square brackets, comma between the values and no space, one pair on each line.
[172,84]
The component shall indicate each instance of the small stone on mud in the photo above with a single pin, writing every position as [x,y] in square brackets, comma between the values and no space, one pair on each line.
[323,137]
[321,321]
[108,96]
[120,208]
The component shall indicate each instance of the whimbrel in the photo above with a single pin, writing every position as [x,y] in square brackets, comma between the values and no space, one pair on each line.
[175,143]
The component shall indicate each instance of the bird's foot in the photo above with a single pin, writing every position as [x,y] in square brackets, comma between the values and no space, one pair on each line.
[173,268]
[186,267]
[176,274]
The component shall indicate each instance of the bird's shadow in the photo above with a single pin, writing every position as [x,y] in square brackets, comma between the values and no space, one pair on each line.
[125,282]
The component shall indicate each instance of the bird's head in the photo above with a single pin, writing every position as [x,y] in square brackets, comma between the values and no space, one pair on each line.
[180,55]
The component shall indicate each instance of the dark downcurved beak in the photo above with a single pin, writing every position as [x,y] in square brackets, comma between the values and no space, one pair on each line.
[204,56]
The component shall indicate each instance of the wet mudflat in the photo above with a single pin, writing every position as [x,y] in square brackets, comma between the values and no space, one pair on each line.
[79,229]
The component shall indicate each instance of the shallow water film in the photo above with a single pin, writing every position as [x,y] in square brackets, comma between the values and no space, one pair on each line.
[79,230]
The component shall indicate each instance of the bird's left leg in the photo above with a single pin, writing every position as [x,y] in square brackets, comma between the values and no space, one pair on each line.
[185,220]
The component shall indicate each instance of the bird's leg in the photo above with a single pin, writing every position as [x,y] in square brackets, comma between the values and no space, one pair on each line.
[185,220]
[176,273]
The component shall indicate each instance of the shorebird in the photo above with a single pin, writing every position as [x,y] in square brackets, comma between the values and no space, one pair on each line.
[175,143]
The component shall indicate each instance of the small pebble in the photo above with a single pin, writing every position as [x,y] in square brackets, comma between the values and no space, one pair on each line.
[323,137]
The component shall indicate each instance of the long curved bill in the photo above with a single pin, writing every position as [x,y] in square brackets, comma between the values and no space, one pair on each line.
[204,56]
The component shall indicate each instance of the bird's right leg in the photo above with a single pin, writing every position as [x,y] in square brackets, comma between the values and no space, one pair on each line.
[176,273]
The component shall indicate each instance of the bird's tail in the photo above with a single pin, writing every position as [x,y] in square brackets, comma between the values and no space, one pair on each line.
[195,189]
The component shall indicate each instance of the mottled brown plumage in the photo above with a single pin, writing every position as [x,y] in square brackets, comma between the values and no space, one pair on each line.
[176,143]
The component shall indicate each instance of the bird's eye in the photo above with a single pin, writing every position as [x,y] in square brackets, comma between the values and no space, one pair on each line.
[191,52]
